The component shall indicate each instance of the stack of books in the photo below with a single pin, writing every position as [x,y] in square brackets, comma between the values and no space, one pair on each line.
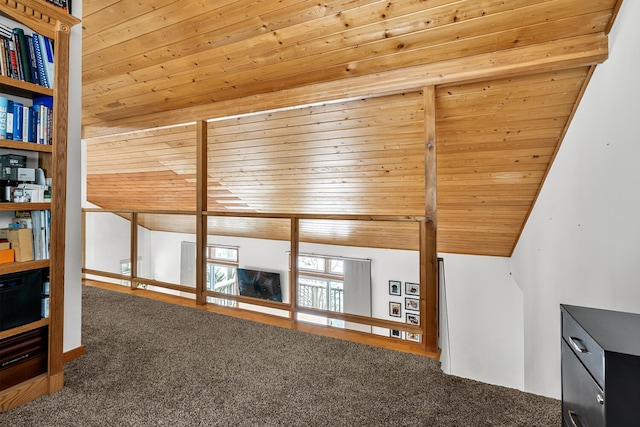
[24,123]
[26,57]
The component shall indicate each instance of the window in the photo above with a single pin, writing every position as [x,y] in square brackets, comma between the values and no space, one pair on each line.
[125,270]
[321,284]
[222,262]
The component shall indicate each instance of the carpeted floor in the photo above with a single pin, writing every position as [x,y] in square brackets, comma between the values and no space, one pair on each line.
[150,363]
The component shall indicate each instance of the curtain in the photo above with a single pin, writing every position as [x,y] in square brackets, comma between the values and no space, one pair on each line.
[357,291]
[188,263]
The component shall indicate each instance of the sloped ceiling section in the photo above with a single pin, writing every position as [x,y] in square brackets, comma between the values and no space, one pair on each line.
[318,107]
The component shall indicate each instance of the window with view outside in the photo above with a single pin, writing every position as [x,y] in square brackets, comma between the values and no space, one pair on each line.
[321,284]
[221,272]
[125,270]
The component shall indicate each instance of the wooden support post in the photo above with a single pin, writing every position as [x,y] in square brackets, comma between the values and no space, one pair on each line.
[293,271]
[428,230]
[58,208]
[201,207]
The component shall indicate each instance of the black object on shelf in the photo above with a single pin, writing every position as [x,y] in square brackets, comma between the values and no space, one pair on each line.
[20,298]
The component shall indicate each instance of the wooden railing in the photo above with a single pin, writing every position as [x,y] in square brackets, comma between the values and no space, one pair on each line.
[427,327]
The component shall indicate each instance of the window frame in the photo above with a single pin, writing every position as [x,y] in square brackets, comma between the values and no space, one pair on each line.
[325,275]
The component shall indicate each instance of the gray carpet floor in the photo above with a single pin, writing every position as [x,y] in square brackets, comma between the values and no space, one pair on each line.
[150,363]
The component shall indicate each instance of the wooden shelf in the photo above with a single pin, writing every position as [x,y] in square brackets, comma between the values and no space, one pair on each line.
[25,146]
[24,392]
[21,88]
[15,267]
[24,328]
[8,206]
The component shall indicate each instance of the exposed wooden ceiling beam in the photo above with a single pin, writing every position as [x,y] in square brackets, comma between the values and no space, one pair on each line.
[555,55]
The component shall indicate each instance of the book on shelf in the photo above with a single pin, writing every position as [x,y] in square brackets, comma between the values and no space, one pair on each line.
[17,120]
[35,78]
[22,54]
[9,134]
[4,106]
[47,58]
[13,59]
[37,51]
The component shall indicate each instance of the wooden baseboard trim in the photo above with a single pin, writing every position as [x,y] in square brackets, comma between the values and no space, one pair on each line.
[68,356]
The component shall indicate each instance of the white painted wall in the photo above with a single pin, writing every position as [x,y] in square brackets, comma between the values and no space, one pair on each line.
[581,244]
[482,321]
[162,260]
[108,238]
[73,244]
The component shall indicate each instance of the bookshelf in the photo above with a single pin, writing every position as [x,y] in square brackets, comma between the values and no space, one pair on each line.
[34,377]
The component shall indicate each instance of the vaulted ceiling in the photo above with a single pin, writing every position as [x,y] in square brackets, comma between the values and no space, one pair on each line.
[318,107]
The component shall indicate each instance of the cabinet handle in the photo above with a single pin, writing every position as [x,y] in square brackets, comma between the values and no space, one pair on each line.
[575,419]
[600,398]
[578,345]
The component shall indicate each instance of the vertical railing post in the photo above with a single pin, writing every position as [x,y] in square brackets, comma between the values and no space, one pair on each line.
[428,230]
[293,271]
[133,255]
[201,207]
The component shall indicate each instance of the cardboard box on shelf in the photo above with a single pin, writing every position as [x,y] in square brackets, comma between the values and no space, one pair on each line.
[6,255]
[21,243]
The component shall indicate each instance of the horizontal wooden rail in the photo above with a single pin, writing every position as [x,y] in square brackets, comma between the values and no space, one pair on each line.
[167,285]
[345,217]
[275,215]
[105,274]
[248,300]
[369,321]
[138,211]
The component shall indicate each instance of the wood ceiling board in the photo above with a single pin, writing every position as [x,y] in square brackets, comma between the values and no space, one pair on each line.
[224,24]
[561,54]
[90,7]
[541,15]
[101,16]
[155,190]
[169,223]
[508,84]
[173,93]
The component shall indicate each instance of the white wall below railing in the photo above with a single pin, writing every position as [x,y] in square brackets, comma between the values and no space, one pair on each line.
[482,321]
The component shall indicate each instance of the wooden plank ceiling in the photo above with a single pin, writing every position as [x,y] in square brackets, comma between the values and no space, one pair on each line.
[316,108]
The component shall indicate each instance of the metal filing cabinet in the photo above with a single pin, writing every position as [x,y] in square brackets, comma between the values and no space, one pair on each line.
[600,367]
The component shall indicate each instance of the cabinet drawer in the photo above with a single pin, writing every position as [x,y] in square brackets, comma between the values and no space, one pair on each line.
[583,402]
[584,347]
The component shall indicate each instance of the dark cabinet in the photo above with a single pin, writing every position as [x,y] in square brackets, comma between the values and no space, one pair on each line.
[600,367]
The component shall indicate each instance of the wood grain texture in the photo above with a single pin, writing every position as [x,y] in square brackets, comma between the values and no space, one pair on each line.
[24,392]
[314,108]
[429,301]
